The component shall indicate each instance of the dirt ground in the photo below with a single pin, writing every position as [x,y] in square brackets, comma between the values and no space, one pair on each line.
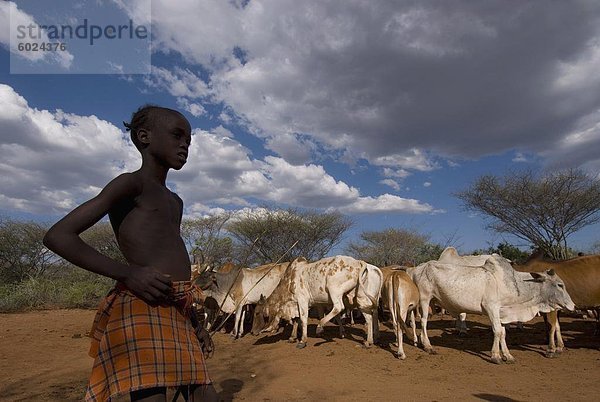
[43,357]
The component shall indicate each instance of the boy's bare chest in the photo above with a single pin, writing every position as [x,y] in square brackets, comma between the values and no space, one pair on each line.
[161,207]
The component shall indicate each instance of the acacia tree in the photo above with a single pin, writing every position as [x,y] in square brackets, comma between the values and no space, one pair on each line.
[267,235]
[206,241]
[543,210]
[22,254]
[394,247]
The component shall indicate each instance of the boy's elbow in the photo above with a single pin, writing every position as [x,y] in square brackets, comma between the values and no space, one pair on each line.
[48,239]
[51,239]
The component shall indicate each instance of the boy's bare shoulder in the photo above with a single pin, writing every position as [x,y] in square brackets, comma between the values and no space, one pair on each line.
[126,185]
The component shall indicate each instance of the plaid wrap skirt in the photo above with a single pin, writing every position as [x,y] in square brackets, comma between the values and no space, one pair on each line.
[136,346]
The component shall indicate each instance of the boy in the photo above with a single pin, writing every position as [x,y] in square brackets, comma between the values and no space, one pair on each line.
[142,337]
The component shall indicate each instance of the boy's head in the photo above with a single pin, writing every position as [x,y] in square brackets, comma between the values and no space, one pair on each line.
[148,117]
[161,131]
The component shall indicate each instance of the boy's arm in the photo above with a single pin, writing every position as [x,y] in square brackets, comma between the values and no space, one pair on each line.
[63,238]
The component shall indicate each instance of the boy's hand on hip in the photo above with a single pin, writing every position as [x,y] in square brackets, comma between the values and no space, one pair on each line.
[148,284]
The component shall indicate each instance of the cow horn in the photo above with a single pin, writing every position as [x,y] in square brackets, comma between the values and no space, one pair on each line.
[537,277]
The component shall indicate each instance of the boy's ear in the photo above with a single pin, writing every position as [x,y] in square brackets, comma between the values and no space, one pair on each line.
[143,136]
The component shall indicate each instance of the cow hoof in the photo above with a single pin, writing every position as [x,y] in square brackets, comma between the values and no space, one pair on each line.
[462,333]
[510,360]
[319,330]
[366,345]
[300,345]
[496,360]
[550,355]
[559,350]
[291,340]
[401,356]
[431,351]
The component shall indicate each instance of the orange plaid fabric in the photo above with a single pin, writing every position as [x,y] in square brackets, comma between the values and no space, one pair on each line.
[138,346]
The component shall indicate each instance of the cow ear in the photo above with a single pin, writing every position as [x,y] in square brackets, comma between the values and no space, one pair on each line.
[551,272]
[537,277]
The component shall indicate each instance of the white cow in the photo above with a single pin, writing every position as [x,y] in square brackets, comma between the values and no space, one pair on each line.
[336,281]
[400,296]
[494,289]
[242,287]
[451,256]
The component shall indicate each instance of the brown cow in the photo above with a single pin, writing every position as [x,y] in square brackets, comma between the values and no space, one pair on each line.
[400,296]
[581,277]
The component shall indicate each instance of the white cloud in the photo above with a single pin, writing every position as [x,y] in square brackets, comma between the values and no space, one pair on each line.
[11,17]
[426,184]
[51,161]
[178,82]
[397,173]
[387,203]
[195,109]
[392,183]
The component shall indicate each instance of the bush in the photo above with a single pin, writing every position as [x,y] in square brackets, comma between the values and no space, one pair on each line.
[81,291]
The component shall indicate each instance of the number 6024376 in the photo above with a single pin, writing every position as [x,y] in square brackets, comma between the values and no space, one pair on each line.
[41,47]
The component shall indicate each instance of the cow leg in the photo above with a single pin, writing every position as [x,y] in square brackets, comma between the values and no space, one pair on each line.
[241,330]
[394,314]
[238,315]
[338,306]
[506,356]
[401,328]
[413,325]
[499,331]
[368,328]
[303,313]
[338,321]
[424,315]
[294,334]
[554,325]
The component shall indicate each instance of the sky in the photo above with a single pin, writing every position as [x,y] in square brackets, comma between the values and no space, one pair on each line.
[379,110]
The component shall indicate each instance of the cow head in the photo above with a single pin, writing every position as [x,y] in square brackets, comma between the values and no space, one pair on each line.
[206,280]
[262,317]
[553,290]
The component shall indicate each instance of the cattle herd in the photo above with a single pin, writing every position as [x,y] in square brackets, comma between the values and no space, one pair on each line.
[485,284]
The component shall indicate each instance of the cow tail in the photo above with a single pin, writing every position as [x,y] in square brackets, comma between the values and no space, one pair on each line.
[364,280]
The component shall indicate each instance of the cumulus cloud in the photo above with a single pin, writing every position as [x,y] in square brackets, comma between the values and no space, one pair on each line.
[50,161]
[11,16]
[195,109]
[379,80]
[392,183]
[178,82]
[387,203]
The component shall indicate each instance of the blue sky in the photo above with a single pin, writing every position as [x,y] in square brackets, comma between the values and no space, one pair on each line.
[381,110]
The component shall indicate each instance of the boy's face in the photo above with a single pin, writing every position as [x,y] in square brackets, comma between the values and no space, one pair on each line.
[170,139]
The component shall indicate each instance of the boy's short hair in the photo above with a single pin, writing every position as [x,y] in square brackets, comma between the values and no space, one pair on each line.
[145,117]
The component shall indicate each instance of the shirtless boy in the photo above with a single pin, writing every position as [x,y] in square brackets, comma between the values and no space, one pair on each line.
[142,338]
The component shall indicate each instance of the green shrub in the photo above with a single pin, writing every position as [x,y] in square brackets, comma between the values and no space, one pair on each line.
[78,291]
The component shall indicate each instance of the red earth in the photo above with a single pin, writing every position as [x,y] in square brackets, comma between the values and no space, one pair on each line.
[43,357]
